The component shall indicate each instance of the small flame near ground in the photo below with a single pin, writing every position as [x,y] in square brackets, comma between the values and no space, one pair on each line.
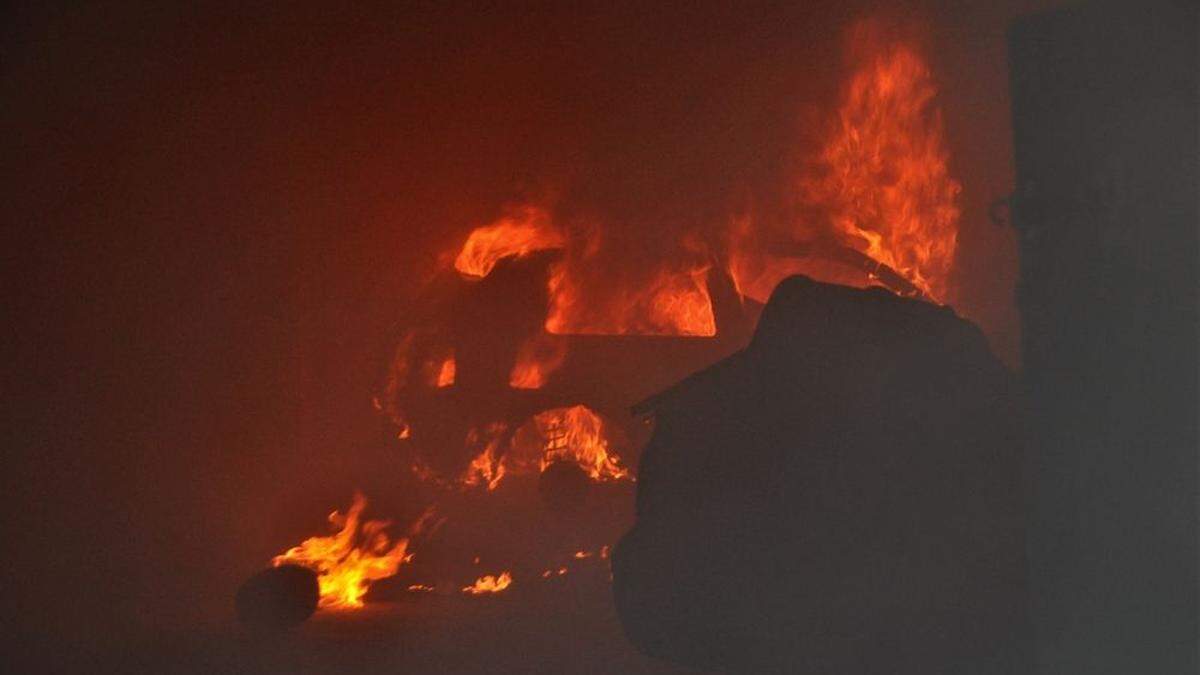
[576,558]
[348,561]
[489,584]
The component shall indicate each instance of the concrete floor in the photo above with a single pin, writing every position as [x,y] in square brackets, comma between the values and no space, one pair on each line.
[548,628]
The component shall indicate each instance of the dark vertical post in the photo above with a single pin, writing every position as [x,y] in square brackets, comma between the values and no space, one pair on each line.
[1105,131]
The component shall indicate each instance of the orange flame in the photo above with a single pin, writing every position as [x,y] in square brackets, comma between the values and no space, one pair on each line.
[489,584]
[537,359]
[880,184]
[525,230]
[755,269]
[488,467]
[674,302]
[574,434]
[879,187]
[577,434]
[883,175]
[348,561]
[439,368]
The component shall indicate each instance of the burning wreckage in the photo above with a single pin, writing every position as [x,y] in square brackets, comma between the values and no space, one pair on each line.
[856,459]
[527,400]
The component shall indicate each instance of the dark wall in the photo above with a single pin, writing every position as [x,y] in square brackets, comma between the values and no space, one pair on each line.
[1105,130]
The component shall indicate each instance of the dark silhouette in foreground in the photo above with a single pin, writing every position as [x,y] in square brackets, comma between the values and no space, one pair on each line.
[278,598]
[564,486]
[843,496]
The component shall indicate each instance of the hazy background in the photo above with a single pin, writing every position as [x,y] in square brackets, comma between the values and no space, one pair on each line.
[214,216]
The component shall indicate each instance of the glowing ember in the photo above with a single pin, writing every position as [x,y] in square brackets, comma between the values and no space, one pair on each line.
[883,176]
[348,561]
[424,472]
[579,555]
[440,367]
[445,376]
[603,552]
[525,230]
[537,359]
[421,588]
[489,584]
[577,434]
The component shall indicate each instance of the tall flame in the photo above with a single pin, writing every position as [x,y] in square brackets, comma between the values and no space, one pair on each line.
[348,561]
[883,175]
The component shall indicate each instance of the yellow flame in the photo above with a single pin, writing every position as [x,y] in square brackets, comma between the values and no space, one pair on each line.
[348,561]
[489,584]
[577,434]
